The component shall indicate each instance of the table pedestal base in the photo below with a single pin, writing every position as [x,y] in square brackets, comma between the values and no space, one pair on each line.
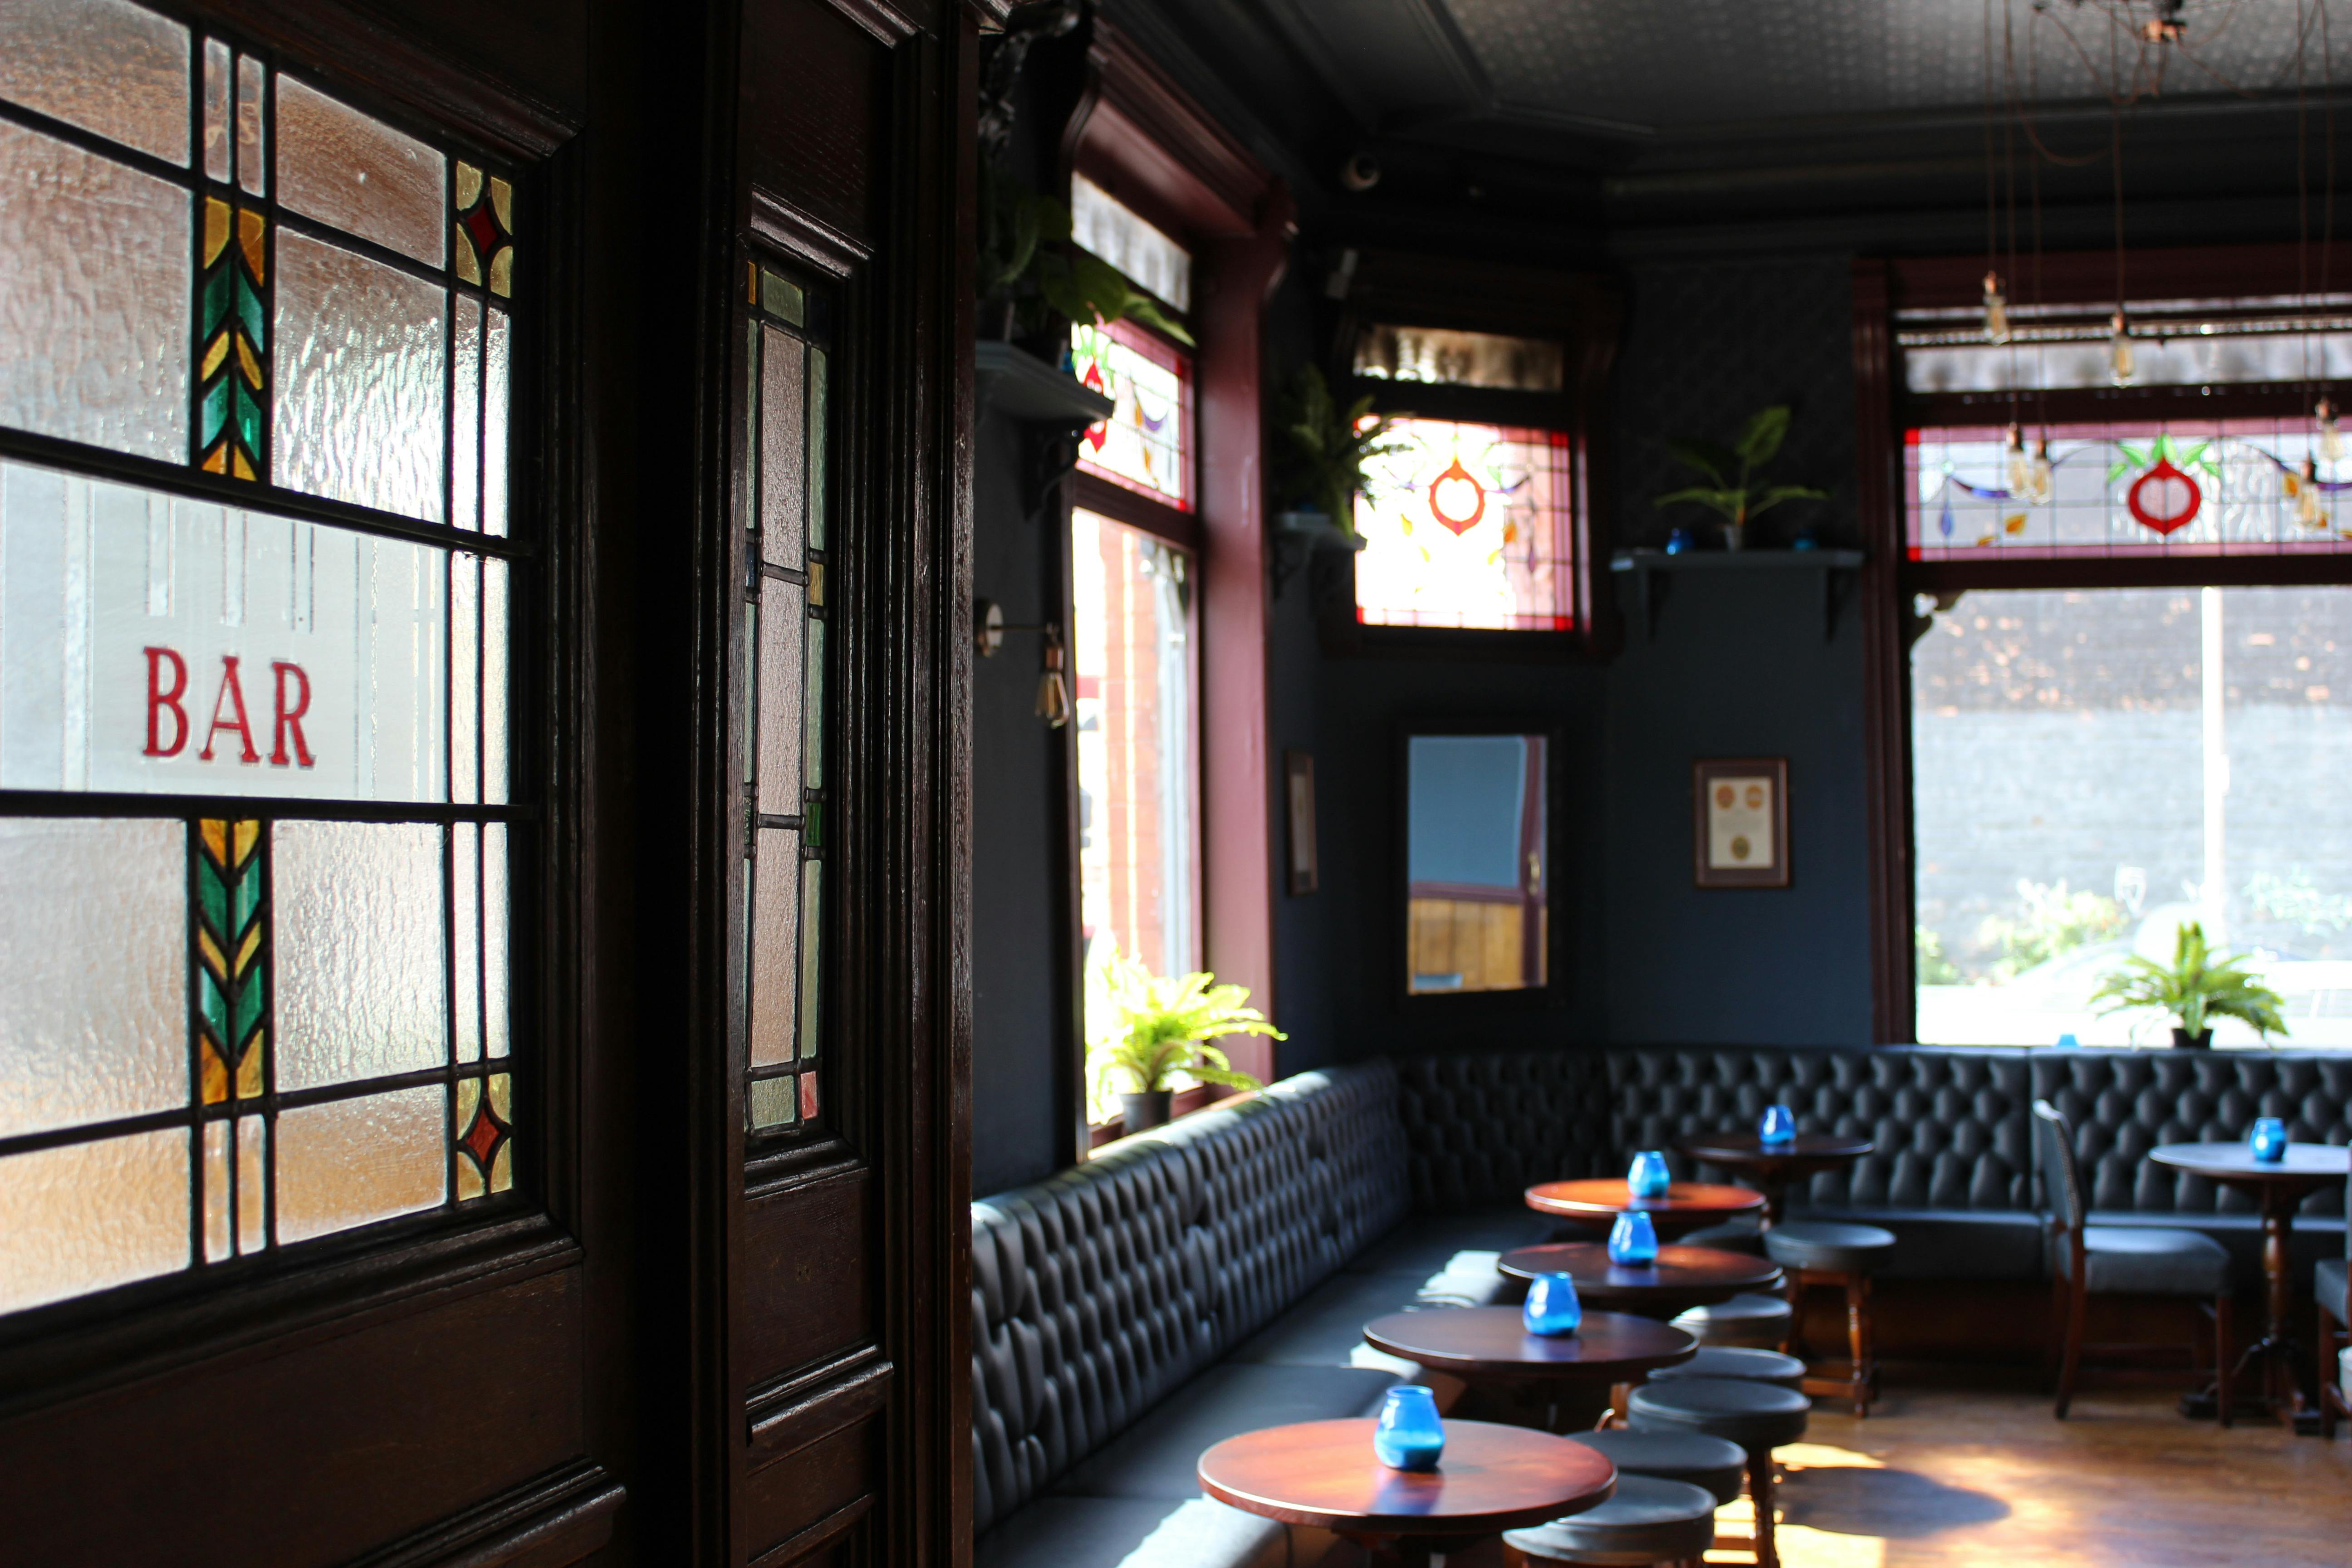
[2280,1388]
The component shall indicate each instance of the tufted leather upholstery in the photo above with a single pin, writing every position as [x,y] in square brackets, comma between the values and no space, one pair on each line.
[1485,1127]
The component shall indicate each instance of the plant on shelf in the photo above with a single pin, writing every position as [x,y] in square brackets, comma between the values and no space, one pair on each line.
[1027,266]
[1324,449]
[2196,988]
[1732,490]
[1158,1029]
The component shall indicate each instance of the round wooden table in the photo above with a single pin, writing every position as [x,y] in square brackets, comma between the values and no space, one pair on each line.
[1688,1205]
[1490,1344]
[2277,1187]
[1682,1278]
[1745,1155]
[1322,1473]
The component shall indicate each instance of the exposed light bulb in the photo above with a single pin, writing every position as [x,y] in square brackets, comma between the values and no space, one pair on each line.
[2119,350]
[2331,437]
[2306,507]
[2039,481]
[1996,310]
[2020,468]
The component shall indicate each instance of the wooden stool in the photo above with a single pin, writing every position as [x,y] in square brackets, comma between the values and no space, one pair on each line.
[1647,1522]
[1757,1416]
[1841,1256]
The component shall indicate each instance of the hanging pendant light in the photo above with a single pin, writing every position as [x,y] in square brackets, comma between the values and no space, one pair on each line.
[1996,308]
[2040,477]
[2120,366]
[2021,467]
[2307,509]
[2331,437]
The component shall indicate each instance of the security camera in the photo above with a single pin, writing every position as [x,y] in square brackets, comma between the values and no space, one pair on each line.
[1360,172]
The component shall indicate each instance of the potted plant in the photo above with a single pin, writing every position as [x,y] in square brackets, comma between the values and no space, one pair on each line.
[1028,267]
[1324,450]
[1731,489]
[2196,988]
[1160,1029]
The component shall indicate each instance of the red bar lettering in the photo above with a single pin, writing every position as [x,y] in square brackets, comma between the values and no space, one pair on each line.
[291,718]
[160,700]
[231,695]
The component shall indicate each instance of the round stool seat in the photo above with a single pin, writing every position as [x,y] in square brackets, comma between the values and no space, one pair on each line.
[1711,1464]
[1820,1244]
[1732,1236]
[1739,1361]
[1756,1415]
[1758,1320]
[1649,1520]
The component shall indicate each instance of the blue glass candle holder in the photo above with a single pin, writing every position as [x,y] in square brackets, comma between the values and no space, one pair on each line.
[2268,1139]
[1552,1309]
[1633,1241]
[1779,1127]
[1648,1176]
[1409,1436]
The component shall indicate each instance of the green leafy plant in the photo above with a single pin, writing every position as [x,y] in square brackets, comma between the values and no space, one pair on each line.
[1326,448]
[2056,921]
[1935,968]
[2293,900]
[1162,1025]
[1731,490]
[2196,988]
[1027,261]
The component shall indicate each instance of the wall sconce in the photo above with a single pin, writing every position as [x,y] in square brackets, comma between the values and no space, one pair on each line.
[988,633]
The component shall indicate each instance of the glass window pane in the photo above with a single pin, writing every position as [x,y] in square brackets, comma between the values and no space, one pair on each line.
[217,145]
[106,66]
[780,623]
[1106,226]
[2094,768]
[775,1105]
[496,630]
[92,353]
[354,171]
[218,1184]
[813,715]
[252,129]
[1146,443]
[1458,359]
[251,654]
[94,1018]
[465,938]
[363,942]
[811,942]
[465,414]
[498,963]
[775,944]
[353,1161]
[782,436]
[819,447]
[362,353]
[465,678]
[1467,525]
[89,1215]
[252,1184]
[498,355]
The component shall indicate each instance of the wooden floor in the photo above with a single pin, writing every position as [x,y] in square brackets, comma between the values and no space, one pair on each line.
[1949,1476]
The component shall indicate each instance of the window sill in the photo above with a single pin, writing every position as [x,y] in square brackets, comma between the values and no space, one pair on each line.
[1200,1097]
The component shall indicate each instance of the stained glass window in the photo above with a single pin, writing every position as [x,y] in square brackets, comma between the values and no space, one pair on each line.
[786,505]
[1458,359]
[1467,525]
[256,591]
[1111,229]
[1146,443]
[2183,487]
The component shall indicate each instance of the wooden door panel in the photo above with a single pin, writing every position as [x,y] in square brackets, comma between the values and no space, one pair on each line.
[807,1270]
[785,1503]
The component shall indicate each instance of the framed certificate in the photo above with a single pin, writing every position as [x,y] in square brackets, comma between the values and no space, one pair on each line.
[1742,822]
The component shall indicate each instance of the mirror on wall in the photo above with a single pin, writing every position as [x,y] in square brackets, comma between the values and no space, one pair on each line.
[1477,863]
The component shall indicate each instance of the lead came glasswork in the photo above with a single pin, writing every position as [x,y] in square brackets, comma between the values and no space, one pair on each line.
[92,354]
[498,351]
[252,129]
[109,66]
[354,171]
[465,414]
[782,442]
[362,936]
[217,146]
[780,699]
[775,932]
[352,1162]
[86,1215]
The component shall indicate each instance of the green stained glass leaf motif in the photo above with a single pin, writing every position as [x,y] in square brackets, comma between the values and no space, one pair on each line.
[211,1004]
[211,896]
[248,1009]
[216,411]
[217,293]
[249,419]
[249,311]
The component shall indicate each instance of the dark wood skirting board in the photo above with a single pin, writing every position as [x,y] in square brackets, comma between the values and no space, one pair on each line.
[556,1518]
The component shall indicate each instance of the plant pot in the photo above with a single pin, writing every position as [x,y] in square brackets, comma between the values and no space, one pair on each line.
[2182,1040]
[1140,1113]
[1733,536]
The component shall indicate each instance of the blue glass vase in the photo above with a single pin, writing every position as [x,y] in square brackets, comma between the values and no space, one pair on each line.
[1409,1436]
[1633,1241]
[1779,1127]
[1648,1176]
[1552,1309]
[2268,1139]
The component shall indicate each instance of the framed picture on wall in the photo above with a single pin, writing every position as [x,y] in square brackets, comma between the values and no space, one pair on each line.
[1742,822]
[1298,797]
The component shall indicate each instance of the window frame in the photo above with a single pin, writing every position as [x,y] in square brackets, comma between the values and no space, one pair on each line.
[1892,582]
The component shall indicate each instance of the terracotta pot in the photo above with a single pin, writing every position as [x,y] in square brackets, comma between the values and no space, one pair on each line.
[1139,1112]
[2182,1040]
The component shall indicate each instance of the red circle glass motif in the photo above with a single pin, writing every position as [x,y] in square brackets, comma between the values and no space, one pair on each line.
[1097,434]
[1457,474]
[2164,499]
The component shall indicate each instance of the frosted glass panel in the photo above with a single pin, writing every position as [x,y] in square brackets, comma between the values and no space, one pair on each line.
[354,171]
[775,932]
[94,1017]
[363,944]
[817,447]
[252,130]
[465,938]
[782,445]
[465,679]
[780,623]
[89,1216]
[361,356]
[812,931]
[217,1192]
[813,715]
[466,414]
[497,960]
[494,682]
[775,1102]
[107,65]
[217,145]
[252,1185]
[151,644]
[94,353]
[497,353]
[353,1161]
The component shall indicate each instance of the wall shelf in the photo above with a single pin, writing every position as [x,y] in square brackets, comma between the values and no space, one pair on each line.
[1654,571]
[1014,381]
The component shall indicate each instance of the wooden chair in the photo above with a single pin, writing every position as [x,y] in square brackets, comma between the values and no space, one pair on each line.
[2329,1282]
[2088,1259]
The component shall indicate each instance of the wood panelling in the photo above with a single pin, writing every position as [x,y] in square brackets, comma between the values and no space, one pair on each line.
[813,94]
[807,1274]
[457,1404]
[814,1488]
